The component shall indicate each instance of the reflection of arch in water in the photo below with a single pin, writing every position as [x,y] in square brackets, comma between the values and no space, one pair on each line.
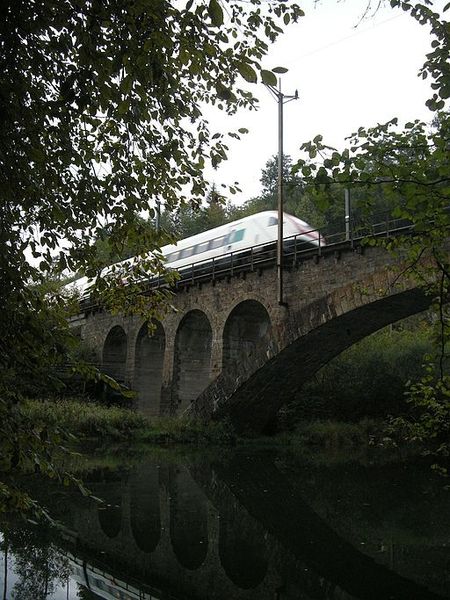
[242,547]
[188,520]
[145,510]
[192,363]
[150,349]
[115,353]
[108,487]
[247,324]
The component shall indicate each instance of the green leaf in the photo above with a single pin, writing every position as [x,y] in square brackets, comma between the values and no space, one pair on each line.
[225,93]
[247,72]
[280,70]
[216,13]
[268,78]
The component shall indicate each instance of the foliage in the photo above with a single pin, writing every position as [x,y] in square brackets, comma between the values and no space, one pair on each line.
[297,200]
[338,434]
[412,169]
[367,380]
[86,89]
[100,111]
[28,446]
[84,418]
[182,431]
[88,419]
[39,566]
[188,220]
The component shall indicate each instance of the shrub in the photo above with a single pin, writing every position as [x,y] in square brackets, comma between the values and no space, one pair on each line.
[84,417]
[366,380]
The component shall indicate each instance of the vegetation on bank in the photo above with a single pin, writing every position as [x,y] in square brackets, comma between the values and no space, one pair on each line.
[366,381]
[85,419]
[351,402]
[89,421]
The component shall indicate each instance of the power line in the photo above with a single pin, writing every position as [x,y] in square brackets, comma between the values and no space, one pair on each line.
[348,37]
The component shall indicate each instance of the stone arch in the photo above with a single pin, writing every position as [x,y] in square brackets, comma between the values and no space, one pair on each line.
[327,334]
[108,487]
[247,324]
[192,358]
[145,511]
[188,520]
[115,353]
[242,547]
[148,373]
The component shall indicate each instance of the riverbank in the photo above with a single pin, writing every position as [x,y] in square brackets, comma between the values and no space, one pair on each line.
[90,420]
[87,420]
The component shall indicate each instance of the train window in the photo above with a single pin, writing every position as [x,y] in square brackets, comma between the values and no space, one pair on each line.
[203,247]
[218,242]
[236,236]
[272,221]
[187,252]
[172,257]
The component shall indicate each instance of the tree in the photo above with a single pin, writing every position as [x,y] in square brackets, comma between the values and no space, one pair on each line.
[297,200]
[38,565]
[411,167]
[101,116]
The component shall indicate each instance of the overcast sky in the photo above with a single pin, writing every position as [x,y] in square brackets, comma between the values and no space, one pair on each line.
[347,77]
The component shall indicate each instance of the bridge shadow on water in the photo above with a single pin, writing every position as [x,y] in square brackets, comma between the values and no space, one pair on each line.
[245,525]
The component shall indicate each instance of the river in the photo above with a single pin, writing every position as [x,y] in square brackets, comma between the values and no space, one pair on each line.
[244,523]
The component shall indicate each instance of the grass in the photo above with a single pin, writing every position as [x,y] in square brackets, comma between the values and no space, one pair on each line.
[336,434]
[86,419]
[90,421]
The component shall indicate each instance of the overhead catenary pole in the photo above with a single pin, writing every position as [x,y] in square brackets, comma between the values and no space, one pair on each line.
[280,199]
[158,215]
[347,214]
[281,99]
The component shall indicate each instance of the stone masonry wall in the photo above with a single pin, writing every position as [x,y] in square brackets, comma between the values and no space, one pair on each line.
[317,291]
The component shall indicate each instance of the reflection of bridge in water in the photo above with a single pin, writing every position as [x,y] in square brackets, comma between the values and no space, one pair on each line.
[230,349]
[241,531]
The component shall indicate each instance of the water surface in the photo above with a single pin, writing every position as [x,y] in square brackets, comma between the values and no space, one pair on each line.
[243,524]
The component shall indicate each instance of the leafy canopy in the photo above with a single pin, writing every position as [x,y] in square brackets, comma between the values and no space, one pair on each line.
[101,116]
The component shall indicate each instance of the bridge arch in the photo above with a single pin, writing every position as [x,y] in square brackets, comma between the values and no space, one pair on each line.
[148,372]
[108,486]
[323,333]
[188,520]
[145,517]
[114,356]
[246,326]
[192,358]
[243,548]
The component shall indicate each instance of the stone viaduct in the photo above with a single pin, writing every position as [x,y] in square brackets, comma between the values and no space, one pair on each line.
[229,349]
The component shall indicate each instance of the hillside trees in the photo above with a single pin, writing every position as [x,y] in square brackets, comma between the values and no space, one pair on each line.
[101,115]
[297,200]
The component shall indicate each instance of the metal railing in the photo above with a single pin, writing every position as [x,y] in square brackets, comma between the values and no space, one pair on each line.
[295,249]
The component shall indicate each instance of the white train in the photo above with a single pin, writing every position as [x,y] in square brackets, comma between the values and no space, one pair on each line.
[258,230]
[237,236]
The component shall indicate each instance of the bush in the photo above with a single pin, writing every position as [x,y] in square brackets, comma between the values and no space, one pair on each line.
[366,381]
[84,417]
[334,434]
